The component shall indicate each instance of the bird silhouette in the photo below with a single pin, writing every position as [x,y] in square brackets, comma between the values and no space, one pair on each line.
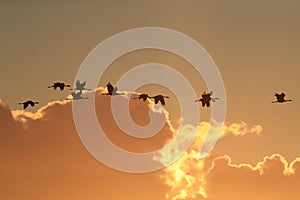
[280,98]
[142,96]
[159,98]
[112,91]
[27,103]
[59,85]
[77,96]
[206,98]
[80,86]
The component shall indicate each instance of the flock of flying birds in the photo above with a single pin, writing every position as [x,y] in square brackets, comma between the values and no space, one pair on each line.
[76,94]
[113,91]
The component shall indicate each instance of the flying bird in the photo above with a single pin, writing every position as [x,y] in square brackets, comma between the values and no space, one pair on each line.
[280,98]
[59,85]
[159,98]
[206,98]
[80,86]
[27,103]
[112,91]
[142,96]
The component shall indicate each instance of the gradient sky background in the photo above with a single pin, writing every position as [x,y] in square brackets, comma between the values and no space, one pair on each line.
[255,44]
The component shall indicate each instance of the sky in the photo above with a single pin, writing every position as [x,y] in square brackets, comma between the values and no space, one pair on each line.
[253,43]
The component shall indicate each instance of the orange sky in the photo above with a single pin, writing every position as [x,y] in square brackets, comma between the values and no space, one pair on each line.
[255,46]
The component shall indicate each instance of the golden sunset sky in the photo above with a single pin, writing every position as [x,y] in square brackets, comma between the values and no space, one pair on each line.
[255,45]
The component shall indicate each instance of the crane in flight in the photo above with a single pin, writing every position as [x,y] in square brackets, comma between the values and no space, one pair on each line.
[280,98]
[112,91]
[27,103]
[159,98]
[206,99]
[59,85]
[142,96]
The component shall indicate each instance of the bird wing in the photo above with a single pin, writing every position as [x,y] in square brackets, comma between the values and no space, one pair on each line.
[282,94]
[203,103]
[210,94]
[62,86]
[56,85]
[115,91]
[25,105]
[73,93]
[144,96]
[110,88]
[208,104]
[78,84]
[162,100]
[31,103]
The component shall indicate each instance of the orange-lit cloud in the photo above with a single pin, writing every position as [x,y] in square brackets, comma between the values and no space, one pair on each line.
[186,177]
[242,128]
[219,178]
[44,158]
[272,178]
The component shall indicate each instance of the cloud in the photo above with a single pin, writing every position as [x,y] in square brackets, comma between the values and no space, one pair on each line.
[43,157]
[219,178]
[242,128]
[186,177]
[6,119]
[271,178]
